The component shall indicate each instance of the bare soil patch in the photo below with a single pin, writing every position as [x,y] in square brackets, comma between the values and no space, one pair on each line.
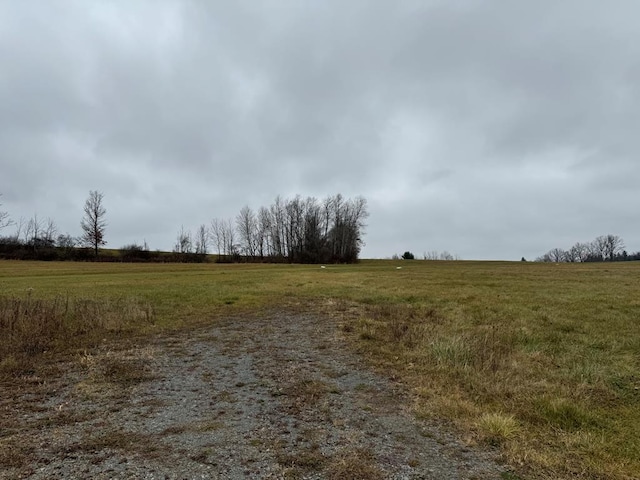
[274,397]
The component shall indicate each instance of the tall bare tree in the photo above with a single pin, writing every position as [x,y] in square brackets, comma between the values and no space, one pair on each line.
[215,233]
[247,225]
[40,234]
[184,243]
[264,226]
[228,238]
[557,255]
[614,245]
[93,223]
[202,240]
[49,233]
[223,236]
[579,252]
[599,248]
[33,231]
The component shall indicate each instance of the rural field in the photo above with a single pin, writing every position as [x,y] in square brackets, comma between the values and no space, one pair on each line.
[537,362]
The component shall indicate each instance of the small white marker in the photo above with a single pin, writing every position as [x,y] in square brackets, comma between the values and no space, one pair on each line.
[398,268]
[322,266]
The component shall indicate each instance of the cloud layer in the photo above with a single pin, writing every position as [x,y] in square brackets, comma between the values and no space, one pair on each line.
[490,129]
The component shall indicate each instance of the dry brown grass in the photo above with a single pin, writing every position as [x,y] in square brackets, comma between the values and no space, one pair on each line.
[112,372]
[303,460]
[32,326]
[150,446]
[354,464]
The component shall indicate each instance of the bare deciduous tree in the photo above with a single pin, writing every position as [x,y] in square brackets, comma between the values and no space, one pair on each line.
[247,225]
[557,255]
[599,248]
[66,241]
[613,245]
[49,232]
[202,240]
[215,233]
[38,233]
[578,253]
[93,223]
[32,231]
[228,238]
[264,226]
[5,221]
[444,255]
[222,234]
[184,243]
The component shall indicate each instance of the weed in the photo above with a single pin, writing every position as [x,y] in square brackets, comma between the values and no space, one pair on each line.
[496,428]
[356,464]
[113,372]
[305,459]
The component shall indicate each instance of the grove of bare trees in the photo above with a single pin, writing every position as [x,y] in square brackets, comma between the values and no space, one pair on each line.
[605,248]
[298,230]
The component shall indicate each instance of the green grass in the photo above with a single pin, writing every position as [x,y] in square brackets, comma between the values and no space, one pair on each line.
[540,360]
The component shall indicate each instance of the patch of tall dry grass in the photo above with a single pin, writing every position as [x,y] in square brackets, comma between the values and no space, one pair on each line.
[31,326]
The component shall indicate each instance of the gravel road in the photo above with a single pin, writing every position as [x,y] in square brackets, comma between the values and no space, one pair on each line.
[273,397]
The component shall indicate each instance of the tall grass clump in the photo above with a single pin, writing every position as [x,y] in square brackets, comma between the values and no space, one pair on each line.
[31,326]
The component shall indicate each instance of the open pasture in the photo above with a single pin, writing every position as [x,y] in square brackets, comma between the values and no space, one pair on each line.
[541,361]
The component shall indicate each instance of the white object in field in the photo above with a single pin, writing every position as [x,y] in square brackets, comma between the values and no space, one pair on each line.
[398,268]
[322,266]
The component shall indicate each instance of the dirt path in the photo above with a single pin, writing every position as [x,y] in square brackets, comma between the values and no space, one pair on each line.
[278,397]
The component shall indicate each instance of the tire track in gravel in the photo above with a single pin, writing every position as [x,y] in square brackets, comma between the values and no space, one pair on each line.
[273,397]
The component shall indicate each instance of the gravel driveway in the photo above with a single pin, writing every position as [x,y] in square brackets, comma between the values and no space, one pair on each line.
[273,397]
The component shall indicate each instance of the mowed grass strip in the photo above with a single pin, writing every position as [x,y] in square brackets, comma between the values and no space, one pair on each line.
[539,360]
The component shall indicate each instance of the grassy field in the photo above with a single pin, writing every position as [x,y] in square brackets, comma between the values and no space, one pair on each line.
[541,361]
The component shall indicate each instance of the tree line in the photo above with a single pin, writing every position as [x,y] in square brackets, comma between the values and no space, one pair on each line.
[297,230]
[605,248]
[432,255]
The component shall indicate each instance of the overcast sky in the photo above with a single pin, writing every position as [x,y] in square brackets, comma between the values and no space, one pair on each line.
[490,129]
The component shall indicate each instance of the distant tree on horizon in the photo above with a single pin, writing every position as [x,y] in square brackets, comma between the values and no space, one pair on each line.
[93,222]
[445,256]
[202,240]
[184,242]
[605,248]
[5,221]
